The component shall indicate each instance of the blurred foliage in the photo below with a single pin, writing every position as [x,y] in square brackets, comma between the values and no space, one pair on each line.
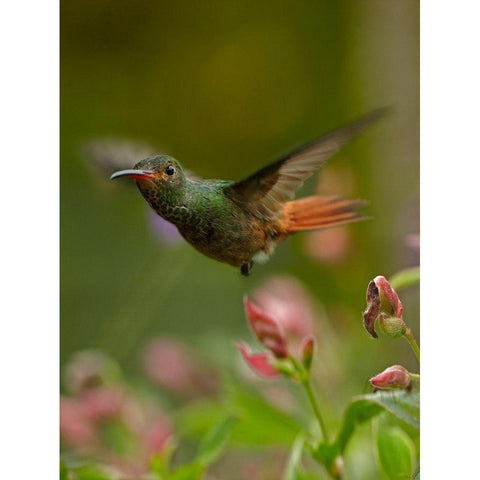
[224,87]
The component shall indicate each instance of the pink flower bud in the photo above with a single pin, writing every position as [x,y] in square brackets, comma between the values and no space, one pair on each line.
[306,350]
[393,377]
[258,362]
[389,301]
[383,303]
[266,330]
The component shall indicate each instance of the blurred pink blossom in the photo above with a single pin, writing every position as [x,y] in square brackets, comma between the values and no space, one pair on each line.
[286,300]
[170,365]
[102,403]
[329,246]
[413,241]
[76,428]
[157,433]
[94,406]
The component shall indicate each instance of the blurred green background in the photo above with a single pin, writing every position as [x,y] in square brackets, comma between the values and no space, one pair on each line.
[224,87]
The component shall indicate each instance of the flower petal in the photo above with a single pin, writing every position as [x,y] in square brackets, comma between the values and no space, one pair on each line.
[258,362]
[373,309]
[267,330]
[390,303]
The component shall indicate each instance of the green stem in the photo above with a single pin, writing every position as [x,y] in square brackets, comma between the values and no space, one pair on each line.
[414,376]
[408,335]
[313,401]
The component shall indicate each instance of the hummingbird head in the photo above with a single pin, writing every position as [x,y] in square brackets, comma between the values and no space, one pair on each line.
[160,179]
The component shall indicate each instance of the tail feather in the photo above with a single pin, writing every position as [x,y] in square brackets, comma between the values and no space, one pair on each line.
[318,212]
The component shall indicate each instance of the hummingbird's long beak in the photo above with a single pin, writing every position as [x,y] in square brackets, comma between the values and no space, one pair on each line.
[137,174]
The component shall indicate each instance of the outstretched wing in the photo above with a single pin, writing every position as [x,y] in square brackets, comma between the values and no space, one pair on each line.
[112,154]
[264,192]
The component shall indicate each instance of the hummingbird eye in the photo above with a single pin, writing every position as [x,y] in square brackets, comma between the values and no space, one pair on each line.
[170,170]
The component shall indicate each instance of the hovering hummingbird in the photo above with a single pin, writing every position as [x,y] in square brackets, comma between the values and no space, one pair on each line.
[242,222]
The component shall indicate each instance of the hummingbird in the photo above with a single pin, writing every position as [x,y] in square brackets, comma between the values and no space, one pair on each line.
[241,222]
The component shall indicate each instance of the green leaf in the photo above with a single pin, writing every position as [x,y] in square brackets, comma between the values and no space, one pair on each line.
[416,474]
[189,471]
[90,472]
[359,411]
[405,278]
[403,405]
[63,471]
[396,452]
[196,418]
[160,462]
[215,441]
[260,422]
[117,436]
[292,468]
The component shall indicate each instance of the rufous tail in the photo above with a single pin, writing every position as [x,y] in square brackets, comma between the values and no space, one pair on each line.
[317,212]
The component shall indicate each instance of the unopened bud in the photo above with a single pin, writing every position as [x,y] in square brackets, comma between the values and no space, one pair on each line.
[395,376]
[306,350]
[383,304]
[393,326]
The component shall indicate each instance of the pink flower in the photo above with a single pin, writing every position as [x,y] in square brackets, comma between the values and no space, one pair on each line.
[258,362]
[158,432]
[76,428]
[270,333]
[267,331]
[329,246]
[96,406]
[102,403]
[170,365]
[286,300]
[393,377]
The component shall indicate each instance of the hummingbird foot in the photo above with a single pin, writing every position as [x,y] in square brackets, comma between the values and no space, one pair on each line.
[246,268]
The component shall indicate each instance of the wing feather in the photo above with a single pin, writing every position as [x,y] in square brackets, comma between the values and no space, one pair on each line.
[264,192]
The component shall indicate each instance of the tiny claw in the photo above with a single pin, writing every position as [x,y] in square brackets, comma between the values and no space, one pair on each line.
[246,268]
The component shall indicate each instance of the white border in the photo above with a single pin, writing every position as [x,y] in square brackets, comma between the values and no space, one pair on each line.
[450,106]
[30,239]
[450,238]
